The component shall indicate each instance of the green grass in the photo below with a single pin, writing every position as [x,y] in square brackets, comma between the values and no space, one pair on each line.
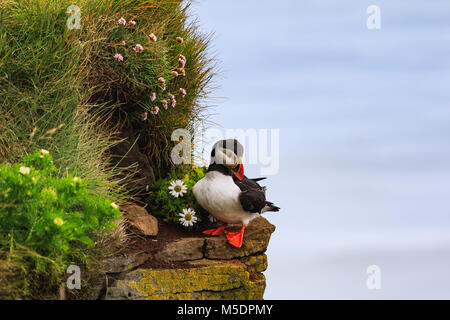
[55,217]
[50,76]
[62,90]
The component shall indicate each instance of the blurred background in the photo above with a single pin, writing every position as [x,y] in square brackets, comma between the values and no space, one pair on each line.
[364,119]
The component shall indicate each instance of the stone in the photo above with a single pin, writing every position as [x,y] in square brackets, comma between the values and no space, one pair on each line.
[208,280]
[256,239]
[141,221]
[185,249]
[255,264]
[198,268]
[125,262]
[97,288]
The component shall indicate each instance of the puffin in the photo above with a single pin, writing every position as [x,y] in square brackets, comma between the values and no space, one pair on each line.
[227,194]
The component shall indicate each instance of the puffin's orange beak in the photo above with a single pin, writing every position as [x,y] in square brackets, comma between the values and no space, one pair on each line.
[240,172]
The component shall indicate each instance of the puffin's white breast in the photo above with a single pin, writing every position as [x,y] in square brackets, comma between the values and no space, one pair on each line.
[219,195]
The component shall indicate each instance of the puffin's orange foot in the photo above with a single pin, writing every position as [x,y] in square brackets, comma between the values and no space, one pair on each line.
[216,232]
[236,238]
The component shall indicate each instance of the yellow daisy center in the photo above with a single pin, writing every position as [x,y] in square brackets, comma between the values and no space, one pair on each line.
[188,217]
[177,188]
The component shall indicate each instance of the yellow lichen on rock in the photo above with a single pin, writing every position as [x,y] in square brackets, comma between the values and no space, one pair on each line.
[213,276]
[210,269]
[207,279]
[256,263]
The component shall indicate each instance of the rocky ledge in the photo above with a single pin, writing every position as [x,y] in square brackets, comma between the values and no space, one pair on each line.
[176,265]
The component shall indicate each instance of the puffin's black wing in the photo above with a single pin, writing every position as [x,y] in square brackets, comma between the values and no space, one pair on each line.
[252,200]
[253,196]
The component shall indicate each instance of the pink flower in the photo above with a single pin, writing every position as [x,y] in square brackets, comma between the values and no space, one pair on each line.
[153,96]
[182,92]
[164,104]
[174,73]
[173,102]
[122,43]
[138,48]
[132,22]
[180,39]
[118,57]
[122,21]
[181,71]
[163,83]
[144,116]
[181,62]
[154,110]
[153,37]
[182,57]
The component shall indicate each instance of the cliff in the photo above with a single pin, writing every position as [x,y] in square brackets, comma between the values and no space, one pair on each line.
[189,266]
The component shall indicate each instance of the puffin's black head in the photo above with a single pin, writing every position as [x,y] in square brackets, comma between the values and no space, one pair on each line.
[229,153]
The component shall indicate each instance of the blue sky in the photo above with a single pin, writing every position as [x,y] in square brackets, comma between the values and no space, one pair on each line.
[364,120]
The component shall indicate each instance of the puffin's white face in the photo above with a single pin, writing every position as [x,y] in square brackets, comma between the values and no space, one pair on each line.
[226,157]
[229,153]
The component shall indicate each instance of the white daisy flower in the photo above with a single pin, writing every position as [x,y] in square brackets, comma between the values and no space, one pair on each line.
[187,217]
[24,170]
[177,188]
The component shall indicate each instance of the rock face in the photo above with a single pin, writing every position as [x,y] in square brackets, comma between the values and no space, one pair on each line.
[194,268]
[133,164]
